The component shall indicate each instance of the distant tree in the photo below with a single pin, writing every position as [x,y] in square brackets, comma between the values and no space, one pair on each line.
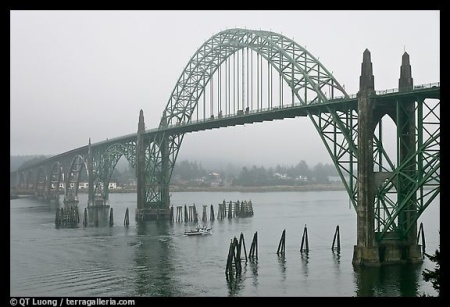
[32,161]
[320,173]
[302,169]
[189,170]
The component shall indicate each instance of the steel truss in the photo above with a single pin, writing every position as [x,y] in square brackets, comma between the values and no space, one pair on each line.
[306,77]
[415,182]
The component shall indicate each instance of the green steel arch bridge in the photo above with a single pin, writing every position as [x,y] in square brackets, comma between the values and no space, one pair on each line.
[242,76]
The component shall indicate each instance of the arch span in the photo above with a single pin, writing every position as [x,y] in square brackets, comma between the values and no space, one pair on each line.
[306,77]
[105,164]
[303,73]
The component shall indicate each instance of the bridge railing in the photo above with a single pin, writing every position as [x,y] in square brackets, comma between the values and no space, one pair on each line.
[287,106]
[244,112]
[415,87]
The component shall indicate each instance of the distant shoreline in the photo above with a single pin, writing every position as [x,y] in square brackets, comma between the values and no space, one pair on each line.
[243,189]
[280,188]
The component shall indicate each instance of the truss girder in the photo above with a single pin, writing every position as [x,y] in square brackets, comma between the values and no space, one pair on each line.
[339,132]
[423,183]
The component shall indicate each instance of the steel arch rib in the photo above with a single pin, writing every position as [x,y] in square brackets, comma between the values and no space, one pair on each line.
[275,48]
[299,69]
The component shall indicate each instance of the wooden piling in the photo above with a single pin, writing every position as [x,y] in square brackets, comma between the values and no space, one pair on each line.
[304,241]
[69,217]
[281,245]
[237,205]
[253,253]
[234,258]
[85,218]
[179,213]
[337,239]
[126,220]
[230,258]
[195,215]
[237,256]
[211,213]
[250,208]
[242,244]
[421,233]
[111,217]
[204,216]
[222,210]
[230,210]
[57,218]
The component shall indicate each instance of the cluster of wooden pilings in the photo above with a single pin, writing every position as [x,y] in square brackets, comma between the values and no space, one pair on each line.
[234,259]
[235,209]
[67,217]
[226,210]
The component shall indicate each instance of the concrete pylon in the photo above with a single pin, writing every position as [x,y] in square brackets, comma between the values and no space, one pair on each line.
[407,250]
[366,250]
[90,167]
[140,163]
[393,249]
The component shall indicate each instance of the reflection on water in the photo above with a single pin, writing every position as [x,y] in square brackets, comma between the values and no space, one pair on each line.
[254,271]
[304,261]
[235,284]
[282,262]
[154,259]
[153,262]
[389,280]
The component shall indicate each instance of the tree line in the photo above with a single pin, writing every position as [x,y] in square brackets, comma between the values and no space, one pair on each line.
[299,174]
[189,171]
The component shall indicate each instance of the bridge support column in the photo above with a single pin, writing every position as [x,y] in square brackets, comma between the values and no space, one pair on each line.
[398,245]
[404,249]
[149,209]
[140,163]
[366,251]
[91,196]
[406,126]
[165,196]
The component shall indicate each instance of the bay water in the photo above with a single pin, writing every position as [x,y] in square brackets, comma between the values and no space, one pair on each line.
[155,259]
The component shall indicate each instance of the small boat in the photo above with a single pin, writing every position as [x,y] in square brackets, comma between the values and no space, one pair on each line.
[198,231]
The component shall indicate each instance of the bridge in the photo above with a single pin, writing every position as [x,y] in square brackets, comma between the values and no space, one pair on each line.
[242,76]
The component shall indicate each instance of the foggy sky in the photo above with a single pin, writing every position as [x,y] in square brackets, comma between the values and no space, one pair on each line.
[76,75]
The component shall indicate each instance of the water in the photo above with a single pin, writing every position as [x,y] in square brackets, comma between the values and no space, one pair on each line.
[155,259]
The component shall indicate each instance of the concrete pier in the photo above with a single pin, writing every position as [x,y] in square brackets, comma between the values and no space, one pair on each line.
[393,248]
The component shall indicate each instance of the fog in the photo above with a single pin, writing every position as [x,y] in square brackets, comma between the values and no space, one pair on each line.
[76,75]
